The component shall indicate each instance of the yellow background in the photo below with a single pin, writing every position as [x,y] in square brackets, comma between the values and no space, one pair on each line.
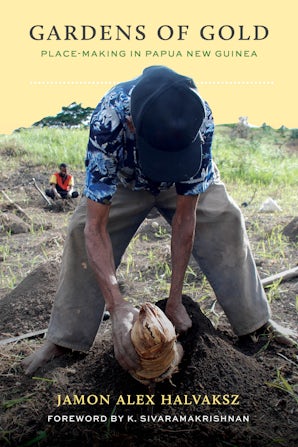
[270,94]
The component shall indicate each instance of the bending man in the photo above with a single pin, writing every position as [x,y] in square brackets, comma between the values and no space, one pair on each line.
[150,145]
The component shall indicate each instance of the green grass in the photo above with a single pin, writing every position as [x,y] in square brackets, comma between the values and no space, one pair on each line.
[283,385]
[262,158]
[44,146]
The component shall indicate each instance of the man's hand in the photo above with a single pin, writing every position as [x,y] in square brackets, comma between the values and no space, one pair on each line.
[123,316]
[178,315]
[57,195]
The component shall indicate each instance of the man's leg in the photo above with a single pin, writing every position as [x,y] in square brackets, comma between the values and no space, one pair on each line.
[63,194]
[222,250]
[50,193]
[77,307]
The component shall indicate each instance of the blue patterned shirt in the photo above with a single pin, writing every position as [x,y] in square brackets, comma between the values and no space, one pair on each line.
[111,153]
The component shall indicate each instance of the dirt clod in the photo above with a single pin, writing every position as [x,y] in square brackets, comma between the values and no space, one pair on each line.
[291,230]
[11,223]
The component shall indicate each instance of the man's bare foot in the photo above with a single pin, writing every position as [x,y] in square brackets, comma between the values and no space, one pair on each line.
[39,358]
[280,334]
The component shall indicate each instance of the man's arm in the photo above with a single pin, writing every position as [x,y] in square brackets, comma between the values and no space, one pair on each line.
[53,183]
[54,189]
[70,186]
[100,253]
[183,230]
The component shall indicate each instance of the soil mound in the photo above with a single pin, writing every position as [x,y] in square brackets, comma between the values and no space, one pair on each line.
[220,397]
[291,230]
[28,306]
[215,371]
[12,223]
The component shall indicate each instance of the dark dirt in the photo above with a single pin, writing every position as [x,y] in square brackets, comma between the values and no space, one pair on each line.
[215,362]
[211,366]
[27,307]
[291,230]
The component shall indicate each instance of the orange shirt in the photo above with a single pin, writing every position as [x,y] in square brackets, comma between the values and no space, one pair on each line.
[63,183]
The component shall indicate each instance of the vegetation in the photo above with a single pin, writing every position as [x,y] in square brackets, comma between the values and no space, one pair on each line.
[43,147]
[262,158]
[71,116]
[256,164]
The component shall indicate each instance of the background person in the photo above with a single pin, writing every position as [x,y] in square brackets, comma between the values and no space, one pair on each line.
[61,185]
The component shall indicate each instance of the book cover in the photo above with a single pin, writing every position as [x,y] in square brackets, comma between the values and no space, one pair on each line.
[58,60]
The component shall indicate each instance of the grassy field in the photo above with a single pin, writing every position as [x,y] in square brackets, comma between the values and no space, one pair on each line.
[262,156]
[252,161]
[255,163]
[44,146]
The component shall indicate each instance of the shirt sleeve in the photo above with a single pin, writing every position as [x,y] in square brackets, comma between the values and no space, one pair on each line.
[201,181]
[105,142]
[53,180]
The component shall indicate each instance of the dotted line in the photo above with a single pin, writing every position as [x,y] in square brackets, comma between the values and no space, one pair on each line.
[114,82]
[236,82]
[72,83]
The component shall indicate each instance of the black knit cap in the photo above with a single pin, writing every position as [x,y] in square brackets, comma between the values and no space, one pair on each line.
[167,115]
